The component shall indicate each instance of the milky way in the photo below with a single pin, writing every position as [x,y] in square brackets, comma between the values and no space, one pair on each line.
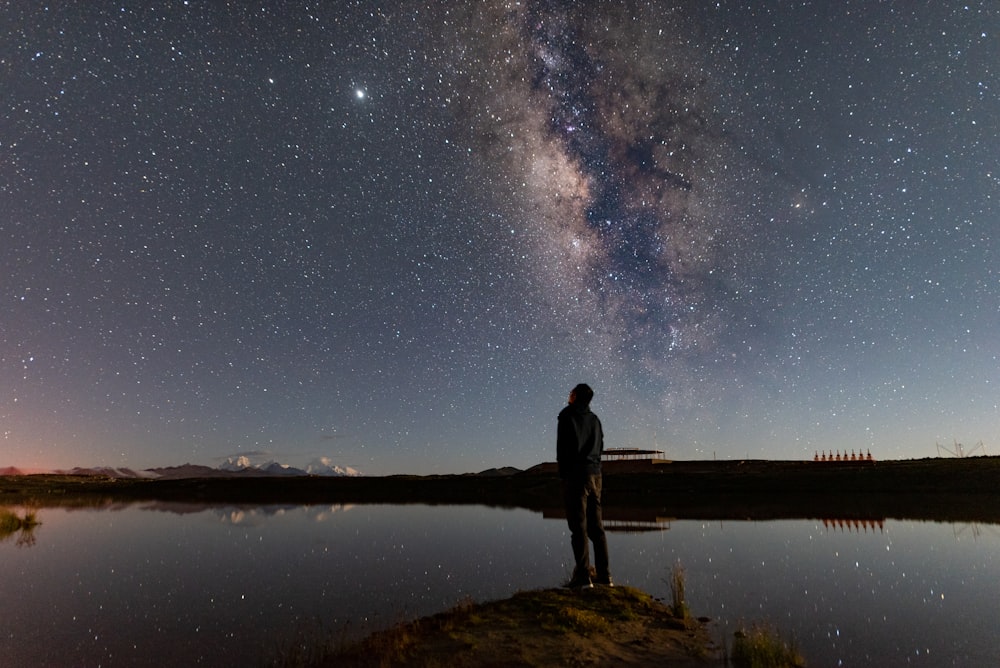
[394,235]
[630,175]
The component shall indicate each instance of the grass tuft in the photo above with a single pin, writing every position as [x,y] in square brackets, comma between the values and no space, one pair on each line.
[761,647]
[11,523]
[678,600]
[584,622]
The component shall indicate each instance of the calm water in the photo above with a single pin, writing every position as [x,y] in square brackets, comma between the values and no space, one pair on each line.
[147,585]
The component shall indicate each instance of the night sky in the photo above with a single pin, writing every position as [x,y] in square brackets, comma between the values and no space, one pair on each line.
[395,234]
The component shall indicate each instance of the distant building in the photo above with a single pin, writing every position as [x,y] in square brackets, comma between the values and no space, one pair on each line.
[631,459]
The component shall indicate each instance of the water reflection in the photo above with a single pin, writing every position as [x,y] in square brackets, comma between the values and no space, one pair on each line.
[975,530]
[181,584]
[251,516]
[623,520]
[639,520]
[850,524]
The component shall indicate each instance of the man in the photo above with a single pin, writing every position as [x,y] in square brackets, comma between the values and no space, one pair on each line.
[579,443]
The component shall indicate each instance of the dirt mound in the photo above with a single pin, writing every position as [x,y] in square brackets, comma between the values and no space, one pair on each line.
[603,626]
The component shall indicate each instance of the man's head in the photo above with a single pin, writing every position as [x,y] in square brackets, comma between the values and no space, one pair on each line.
[581,395]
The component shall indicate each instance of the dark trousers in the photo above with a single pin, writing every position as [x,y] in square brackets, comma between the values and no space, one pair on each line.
[582,496]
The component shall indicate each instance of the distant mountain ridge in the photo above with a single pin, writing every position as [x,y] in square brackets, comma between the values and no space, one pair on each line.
[234,467]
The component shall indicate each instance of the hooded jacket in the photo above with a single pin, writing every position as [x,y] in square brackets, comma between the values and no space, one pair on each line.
[579,441]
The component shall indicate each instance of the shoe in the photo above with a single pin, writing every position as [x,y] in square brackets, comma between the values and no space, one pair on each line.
[604,581]
[580,582]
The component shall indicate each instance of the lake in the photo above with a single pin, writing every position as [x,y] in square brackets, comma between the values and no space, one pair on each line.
[174,584]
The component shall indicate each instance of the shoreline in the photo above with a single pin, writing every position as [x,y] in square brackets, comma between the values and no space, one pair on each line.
[952,490]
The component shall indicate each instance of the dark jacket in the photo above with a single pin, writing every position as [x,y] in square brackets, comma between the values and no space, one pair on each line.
[579,442]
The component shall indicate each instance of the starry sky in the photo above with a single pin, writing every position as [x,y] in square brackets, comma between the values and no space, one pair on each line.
[395,234]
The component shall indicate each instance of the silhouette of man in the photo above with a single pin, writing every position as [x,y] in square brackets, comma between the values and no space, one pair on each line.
[579,443]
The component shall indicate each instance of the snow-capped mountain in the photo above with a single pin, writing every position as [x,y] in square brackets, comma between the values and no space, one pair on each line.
[243,464]
[236,464]
[322,466]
